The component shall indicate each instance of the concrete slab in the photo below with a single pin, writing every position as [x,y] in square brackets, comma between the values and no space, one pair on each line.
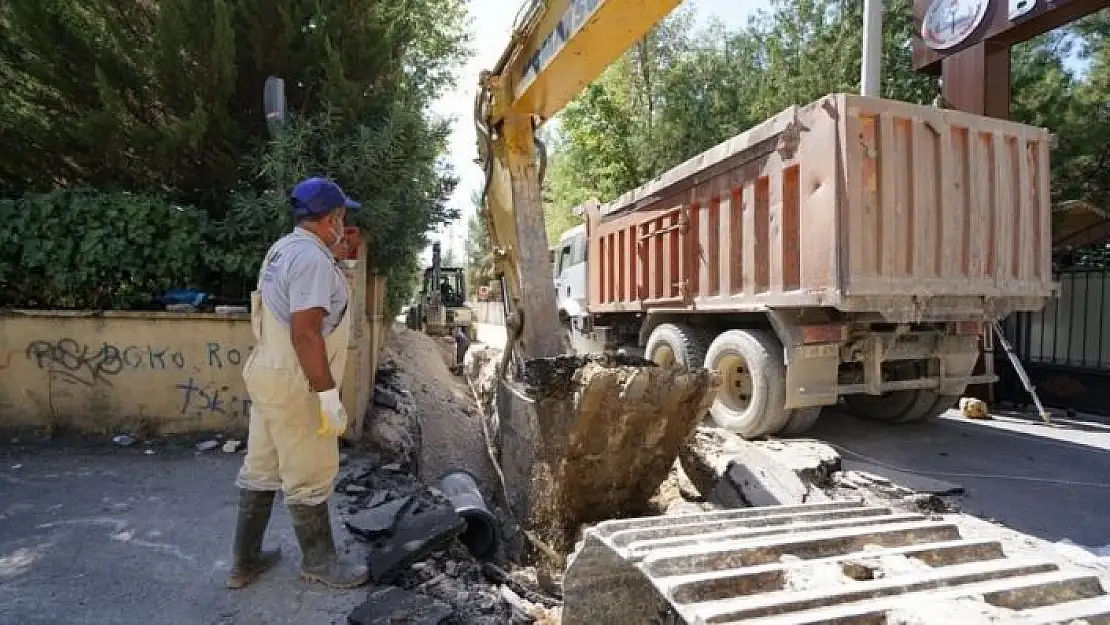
[378,520]
[420,530]
[733,472]
[912,481]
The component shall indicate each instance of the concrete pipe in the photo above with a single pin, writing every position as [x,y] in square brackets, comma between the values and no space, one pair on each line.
[482,533]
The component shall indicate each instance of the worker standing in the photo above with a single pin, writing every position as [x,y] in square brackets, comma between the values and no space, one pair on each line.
[299,315]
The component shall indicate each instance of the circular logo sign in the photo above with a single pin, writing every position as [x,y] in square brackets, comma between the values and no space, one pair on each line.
[948,23]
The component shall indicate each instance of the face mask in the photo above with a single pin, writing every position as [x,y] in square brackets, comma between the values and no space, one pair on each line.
[336,233]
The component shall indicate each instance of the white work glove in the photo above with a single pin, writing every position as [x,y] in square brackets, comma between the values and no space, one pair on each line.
[333,416]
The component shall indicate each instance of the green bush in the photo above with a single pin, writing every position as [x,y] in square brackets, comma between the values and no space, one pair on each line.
[86,249]
[95,250]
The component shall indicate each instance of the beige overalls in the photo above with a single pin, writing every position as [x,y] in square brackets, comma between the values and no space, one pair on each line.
[284,450]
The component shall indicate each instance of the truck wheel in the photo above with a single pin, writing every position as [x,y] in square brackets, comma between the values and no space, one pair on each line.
[892,407]
[674,344]
[800,420]
[568,336]
[751,400]
[939,406]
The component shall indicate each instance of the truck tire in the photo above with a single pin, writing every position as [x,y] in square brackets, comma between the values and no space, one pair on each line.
[902,406]
[675,344]
[892,407]
[568,336]
[800,420]
[752,398]
[939,406]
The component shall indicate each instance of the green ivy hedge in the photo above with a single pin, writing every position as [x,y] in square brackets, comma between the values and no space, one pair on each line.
[83,249]
[86,249]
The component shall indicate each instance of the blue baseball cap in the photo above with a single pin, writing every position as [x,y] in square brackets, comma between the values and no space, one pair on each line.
[317,196]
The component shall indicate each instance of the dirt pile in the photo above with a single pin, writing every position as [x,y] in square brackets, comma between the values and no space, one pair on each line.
[434,420]
[591,439]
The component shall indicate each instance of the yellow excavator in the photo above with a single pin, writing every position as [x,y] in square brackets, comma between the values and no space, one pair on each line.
[557,410]
[583,439]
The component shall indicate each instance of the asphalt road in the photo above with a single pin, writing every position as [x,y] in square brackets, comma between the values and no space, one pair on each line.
[113,536]
[1049,481]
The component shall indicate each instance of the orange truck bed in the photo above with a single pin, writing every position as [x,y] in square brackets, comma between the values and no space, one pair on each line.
[854,203]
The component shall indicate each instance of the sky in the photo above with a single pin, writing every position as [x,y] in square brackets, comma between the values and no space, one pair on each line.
[490,24]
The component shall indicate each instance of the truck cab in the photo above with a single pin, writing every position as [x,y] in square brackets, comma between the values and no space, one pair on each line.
[571,275]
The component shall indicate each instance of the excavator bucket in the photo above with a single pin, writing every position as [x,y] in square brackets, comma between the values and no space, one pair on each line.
[589,438]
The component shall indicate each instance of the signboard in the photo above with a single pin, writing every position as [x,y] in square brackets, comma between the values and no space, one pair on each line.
[945,27]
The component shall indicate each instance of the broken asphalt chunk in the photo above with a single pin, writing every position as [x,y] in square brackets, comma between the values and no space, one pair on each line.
[386,398]
[377,521]
[420,530]
[388,604]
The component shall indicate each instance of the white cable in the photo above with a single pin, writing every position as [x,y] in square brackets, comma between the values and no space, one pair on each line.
[1016,478]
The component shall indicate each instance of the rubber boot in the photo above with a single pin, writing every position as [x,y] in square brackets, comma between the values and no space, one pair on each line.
[250,560]
[319,561]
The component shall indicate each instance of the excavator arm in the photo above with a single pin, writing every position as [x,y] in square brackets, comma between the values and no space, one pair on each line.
[582,438]
[557,48]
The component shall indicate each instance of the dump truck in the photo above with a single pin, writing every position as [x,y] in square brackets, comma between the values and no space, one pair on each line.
[851,249]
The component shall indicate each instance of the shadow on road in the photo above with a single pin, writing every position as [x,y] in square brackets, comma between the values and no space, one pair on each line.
[1038,484]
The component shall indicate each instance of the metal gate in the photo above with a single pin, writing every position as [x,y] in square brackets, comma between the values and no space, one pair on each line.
[1065,346]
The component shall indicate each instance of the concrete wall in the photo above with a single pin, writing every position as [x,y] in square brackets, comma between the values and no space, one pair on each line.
[153,373]
[150,372]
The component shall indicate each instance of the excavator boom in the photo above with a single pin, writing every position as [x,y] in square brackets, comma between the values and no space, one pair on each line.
[557,48]
[581,439]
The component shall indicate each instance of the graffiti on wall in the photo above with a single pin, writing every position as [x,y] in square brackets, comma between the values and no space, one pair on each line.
[212,398]
[87,365]
[203,388]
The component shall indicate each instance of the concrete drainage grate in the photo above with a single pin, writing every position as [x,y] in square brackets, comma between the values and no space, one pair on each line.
[831,562]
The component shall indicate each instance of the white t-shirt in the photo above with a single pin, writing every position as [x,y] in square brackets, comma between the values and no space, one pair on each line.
[303,274]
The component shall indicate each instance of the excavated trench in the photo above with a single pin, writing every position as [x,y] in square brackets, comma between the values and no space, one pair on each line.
[586,438]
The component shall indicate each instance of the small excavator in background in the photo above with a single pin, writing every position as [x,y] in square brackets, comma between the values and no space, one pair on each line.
[441,306]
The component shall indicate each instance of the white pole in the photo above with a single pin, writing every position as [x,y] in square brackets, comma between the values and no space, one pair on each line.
[872,48]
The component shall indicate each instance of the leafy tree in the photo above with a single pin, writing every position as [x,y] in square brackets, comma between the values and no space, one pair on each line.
[165,100]
[479,252]
[678,93]
[167,96]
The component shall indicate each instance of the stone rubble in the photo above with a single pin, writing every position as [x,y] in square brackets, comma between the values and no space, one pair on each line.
[972,408]
[733,473]
[418,565]
[729,472]
[393,431]
[207,445]
[420,570]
